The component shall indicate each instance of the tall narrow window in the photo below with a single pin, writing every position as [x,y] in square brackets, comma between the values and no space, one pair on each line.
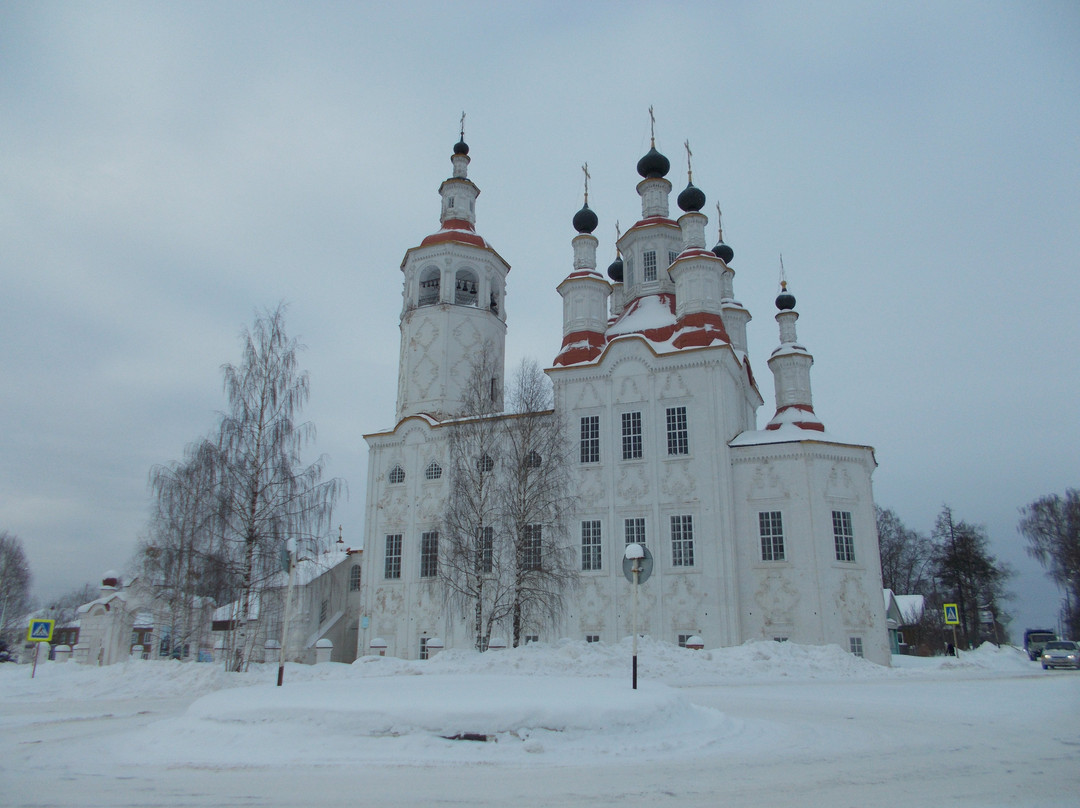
[631,435]
[771,528]
[843,536]
[590,545]
[855,644]
[487,546]
[423,648]
[393,556]
[634,530]
[590,439]
[354,578]
[648,265]
[678,441]
[533,549]
[682,541]
[671,257]
[429,554]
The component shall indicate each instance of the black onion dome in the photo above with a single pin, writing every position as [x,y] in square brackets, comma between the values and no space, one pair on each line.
[785,301]
[653,164]
[461,147]
[723,252]
[615,271]
[692,198]
[585,220]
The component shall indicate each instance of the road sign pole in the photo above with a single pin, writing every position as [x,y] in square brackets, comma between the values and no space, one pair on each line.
[33,670]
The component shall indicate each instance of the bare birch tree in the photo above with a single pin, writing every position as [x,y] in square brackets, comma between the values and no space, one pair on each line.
[504,549]
[14,587]
[473,564]
[537,502]
[182,560]
[268,495]
[1051,525]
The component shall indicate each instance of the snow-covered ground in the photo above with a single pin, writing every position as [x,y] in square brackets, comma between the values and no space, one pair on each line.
[764,724]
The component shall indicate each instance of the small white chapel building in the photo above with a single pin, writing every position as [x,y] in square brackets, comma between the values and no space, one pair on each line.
[755,533]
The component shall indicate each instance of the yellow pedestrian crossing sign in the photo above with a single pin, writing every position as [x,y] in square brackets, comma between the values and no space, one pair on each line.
[40,631]
[952,614]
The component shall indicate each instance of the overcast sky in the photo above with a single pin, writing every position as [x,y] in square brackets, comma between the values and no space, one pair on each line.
[168,168]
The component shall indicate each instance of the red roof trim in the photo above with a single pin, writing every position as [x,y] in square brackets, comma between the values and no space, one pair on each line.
[458,224]
[454,235]
[574,353]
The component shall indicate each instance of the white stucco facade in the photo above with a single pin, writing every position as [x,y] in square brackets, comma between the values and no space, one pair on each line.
[755,534]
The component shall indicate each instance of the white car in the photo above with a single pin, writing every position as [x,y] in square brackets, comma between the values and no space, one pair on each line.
[1060,654]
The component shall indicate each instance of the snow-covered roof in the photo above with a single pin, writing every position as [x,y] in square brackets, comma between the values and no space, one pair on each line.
[104,599]
[911,607]
[786,433]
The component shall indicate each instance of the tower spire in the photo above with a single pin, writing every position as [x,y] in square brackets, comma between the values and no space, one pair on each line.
[790,364]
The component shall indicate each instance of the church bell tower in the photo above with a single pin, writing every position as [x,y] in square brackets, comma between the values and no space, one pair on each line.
[453,320]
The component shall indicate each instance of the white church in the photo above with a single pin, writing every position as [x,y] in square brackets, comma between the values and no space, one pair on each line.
[755,534]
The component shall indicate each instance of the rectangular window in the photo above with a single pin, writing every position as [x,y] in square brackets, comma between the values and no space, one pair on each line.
[671,257]
[533,550]
[855,644]
[682,541]
[631,435]
[487,546]
[771,528]
[429,554]
[590,545]
[590,439]
[531,638]
[393,556]
[324,610]
[634,530]
[648,265]
[683,638]
[678,441]
[423,648]
[592,638]
[843,536]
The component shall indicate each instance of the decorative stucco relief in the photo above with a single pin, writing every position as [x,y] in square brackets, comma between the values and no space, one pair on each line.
[389,605]
[591,486]
[633,484]
[629,391]
[673,386]
[767,484]
[588,396]
[839,485]
[853,604]
[595,603]
[777,598]
[681,600]
[678,483]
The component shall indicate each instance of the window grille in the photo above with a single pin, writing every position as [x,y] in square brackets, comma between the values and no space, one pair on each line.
[631,436]
[429,554]
[393,556]
[678,441]
[843,536]
[590,545]
[771,529]
[682,541]
[590,439]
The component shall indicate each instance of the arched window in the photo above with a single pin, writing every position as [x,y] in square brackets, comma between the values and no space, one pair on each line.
[354,578]
[433,471]
[465,288]
[397,475]
[429,286]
